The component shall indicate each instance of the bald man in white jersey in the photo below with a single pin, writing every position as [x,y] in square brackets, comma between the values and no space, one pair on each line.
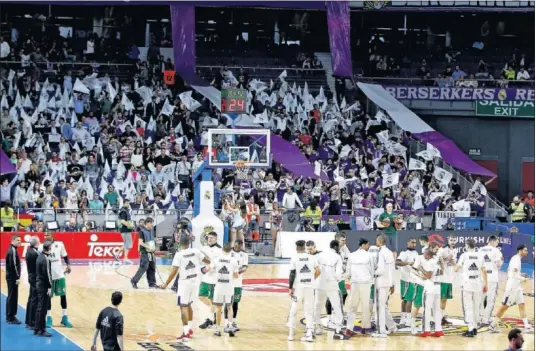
[513,292]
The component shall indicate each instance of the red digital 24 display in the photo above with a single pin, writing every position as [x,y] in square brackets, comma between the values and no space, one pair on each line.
[233,100]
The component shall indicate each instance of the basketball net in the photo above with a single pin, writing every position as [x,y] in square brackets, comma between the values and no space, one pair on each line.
[242,170]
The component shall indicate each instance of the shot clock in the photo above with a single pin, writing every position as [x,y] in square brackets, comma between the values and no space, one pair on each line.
[233,100]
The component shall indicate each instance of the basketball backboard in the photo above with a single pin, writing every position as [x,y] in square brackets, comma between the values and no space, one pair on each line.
[227,146]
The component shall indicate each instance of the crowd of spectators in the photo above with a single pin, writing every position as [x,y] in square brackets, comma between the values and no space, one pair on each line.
[137,140]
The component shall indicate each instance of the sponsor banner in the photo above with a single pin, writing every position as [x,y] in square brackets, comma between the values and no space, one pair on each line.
[508,241]
[519,109]
[79,245]
[460,94]
[433,6]
[286,242]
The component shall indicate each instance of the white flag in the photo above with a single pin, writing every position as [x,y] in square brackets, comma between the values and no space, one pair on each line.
[111,91]
[127,104]
[283,75]
[383,136]
[442,175]
[432,150]
[425,154]
[190,103]
[167,109]
[80,87]
[416,165]
[388,180]
[321,97]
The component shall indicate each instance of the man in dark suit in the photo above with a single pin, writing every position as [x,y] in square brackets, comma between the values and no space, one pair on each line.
[13,279]
[43,288]
[152,109]
[31,264]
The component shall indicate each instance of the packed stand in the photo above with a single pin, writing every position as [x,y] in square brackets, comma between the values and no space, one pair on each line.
[86,145]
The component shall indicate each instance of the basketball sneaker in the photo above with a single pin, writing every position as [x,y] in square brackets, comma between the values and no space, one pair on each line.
[392,330]
[290,336]
[469,334]
[308,338]
[425,334]
[190,333]
[438,334]
[231,331]
[183,337]
[217,333]
[235,326]
[529,329]
[65,322]
[319,331]
[350,333]
[207,324]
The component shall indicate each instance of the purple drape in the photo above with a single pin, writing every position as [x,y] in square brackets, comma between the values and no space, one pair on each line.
[6,166]
[183,30]
[290,157]
[451,154]
[339,37]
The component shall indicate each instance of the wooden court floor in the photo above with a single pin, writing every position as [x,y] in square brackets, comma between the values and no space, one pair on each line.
[152,319]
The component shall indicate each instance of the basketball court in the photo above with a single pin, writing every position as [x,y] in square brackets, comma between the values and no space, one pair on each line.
[152,319]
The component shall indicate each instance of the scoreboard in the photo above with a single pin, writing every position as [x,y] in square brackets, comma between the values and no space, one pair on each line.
[233,100]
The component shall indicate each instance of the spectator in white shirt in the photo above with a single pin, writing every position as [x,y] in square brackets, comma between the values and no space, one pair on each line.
[290,199]
[157,176]
[522,74]
[270,184]
[183,171]
[5,49]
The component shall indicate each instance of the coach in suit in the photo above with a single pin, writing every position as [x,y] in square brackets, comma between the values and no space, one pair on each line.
[31,264]
[13,280]
[43,288]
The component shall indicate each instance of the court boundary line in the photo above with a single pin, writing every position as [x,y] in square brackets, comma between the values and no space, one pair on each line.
[56,329]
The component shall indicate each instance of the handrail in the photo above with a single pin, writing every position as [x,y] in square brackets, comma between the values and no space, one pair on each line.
[131,64]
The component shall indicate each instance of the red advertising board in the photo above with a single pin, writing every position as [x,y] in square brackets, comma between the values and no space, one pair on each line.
[79,245]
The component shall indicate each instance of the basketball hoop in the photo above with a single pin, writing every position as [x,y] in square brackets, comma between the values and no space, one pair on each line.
[242,169]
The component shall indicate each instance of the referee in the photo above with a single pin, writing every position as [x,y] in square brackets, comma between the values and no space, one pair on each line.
[110,325]
[125,228]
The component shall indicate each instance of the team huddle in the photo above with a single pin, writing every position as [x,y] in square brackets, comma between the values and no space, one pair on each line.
[425,283]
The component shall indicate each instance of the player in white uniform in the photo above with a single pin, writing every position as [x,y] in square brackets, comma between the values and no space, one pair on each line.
[493,259]
[57,252]
[360,269]
[474,271]
[344,252]
[187,262]
[405,260]
[243,259]
[385,286]
[226,269]
[310,247]
[206,288]
[513,292]
[304,270]
[447,255]
[432,271]
[331,274]
[373,251]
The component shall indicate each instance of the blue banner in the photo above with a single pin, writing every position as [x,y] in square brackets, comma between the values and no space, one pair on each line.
[519,228]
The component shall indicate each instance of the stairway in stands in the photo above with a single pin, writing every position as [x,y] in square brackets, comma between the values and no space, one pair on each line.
[325,58]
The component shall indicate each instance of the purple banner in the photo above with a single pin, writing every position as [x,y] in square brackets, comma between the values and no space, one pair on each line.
[339,37]
[452,154]
[466,94]
[183,30]
[6,166]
